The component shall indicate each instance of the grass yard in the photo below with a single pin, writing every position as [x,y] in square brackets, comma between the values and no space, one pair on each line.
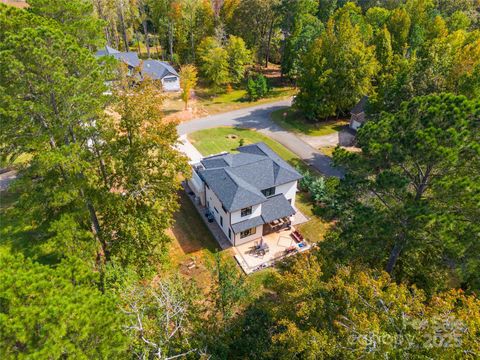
[213,141]
[238,98]
[327,150]
[192,241]
[294,121]
[216,140]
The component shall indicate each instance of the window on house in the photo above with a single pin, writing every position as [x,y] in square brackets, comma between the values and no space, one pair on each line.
[221,221]
[224,210]
[246,211]
[170,79]
[230,234]
[269,192]
[248,232]
[216,210]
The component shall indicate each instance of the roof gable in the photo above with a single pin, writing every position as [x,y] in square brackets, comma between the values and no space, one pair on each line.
[360,106]
[157,69]
[238,179]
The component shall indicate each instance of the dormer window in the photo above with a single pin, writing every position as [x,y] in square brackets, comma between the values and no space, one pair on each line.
[269,192]
[246,211]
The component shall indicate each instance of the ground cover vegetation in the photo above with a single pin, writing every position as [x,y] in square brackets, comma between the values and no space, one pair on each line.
[85,227]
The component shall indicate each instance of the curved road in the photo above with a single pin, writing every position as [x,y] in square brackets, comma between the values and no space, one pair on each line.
[258,118]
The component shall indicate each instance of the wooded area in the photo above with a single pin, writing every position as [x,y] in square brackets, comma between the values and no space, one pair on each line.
[397,275]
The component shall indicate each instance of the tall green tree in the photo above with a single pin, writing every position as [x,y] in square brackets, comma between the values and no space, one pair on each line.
[395,213]
[337,70]
[56,313]
[143,169]
[239,57]
[76,18]
[300,27]
[256,21]
[46,113]
[214,62]
[100,184]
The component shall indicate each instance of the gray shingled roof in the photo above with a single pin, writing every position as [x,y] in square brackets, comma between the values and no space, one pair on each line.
[107,50]
[237,179]
[153,68]
[247,224]
[129,58]
[158,69]
[360,106]
[276,207]
[232,191]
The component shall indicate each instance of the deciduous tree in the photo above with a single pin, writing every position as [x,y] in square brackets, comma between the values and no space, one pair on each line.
[337,70]
[363,313]
[214,62]
[239,57]
[188,81]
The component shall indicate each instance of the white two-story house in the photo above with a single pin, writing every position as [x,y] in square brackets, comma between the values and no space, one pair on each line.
[250,193]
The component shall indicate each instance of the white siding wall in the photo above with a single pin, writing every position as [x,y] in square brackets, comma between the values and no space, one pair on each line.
[289,190]
[171,85]
[237,215]
[197,186]
[356,121]
[213,203]
[354,125]
[257,235]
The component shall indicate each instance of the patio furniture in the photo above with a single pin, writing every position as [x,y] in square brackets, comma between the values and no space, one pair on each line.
[297,236]
[290,250]
[209,216]
[262,249]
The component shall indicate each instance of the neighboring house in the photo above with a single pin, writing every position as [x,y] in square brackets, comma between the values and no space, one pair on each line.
[358,114]
[155,69]
[250,193]
[160,70]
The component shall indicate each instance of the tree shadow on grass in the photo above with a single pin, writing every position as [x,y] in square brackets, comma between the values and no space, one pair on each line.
[189,229]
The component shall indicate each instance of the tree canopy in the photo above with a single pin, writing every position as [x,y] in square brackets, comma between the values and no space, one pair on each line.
[395,213]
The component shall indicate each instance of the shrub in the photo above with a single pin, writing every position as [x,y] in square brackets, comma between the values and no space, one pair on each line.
[257,87]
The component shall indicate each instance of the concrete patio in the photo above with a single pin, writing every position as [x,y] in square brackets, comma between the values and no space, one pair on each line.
[277,243]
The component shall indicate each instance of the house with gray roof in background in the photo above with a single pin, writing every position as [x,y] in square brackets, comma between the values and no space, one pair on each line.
[154,69]
[250,193]
[357,117]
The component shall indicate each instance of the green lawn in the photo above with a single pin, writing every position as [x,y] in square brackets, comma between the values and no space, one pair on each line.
[294,121]
[327,150]
[220,139]
[239,96]
[212,141]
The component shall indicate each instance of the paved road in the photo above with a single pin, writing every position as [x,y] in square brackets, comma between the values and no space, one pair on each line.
[6,177]
[258,118]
